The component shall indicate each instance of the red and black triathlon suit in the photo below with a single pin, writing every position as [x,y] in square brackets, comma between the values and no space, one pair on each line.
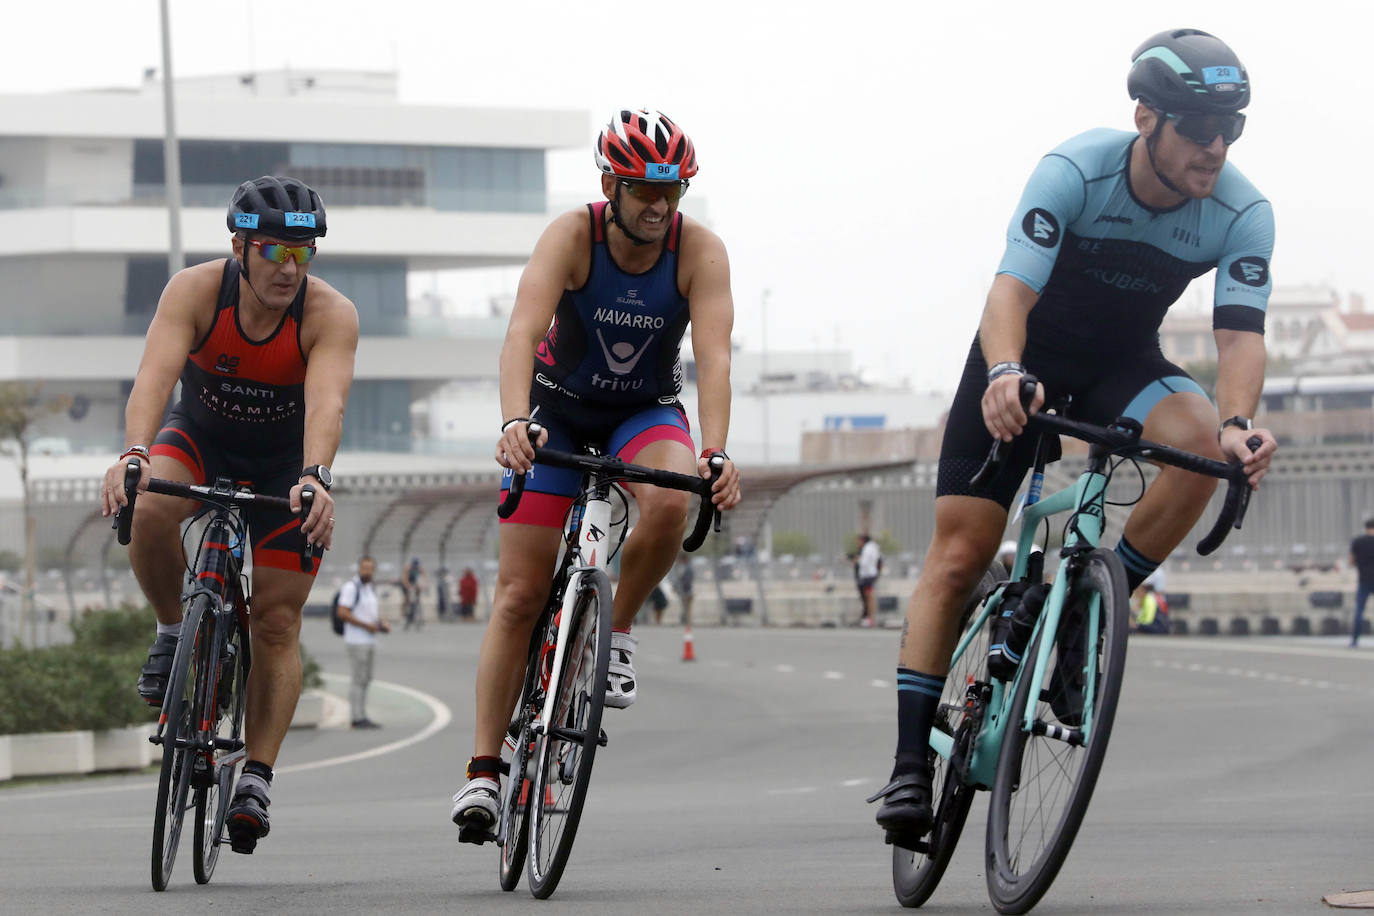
[242,416]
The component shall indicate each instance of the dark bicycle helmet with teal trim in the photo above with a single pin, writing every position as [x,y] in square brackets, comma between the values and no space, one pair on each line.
[277,206]
[1188,71]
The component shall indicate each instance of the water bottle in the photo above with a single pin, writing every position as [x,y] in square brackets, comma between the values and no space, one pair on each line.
[236,546]
[1014,627]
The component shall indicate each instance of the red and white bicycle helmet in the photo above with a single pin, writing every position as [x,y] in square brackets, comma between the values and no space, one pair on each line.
[646,146]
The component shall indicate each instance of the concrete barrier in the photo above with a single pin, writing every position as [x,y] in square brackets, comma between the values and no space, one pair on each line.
[309,710]
[1239,626]
[52,753]
[122,748]
[6,766]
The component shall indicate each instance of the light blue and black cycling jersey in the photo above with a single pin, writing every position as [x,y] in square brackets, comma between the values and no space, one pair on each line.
[1107,267]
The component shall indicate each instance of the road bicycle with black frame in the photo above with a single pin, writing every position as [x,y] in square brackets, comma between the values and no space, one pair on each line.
[1036,738]
[200,729]
[556,728]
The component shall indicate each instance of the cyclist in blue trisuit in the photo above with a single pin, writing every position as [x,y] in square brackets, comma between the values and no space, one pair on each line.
[1111,228]
[592,355]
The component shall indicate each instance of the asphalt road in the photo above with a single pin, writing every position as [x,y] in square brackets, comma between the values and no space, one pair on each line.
[1236,783]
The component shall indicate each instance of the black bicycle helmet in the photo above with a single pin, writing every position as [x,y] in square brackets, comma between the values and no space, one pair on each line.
[281,207]
[1188,71]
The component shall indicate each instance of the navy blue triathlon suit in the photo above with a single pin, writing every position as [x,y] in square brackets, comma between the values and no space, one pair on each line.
[1107,268]
[242,416]
[608,372]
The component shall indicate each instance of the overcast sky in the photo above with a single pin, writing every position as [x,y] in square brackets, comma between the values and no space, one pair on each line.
[861,159]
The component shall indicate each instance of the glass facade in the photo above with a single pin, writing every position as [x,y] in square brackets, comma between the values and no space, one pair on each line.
[480,179]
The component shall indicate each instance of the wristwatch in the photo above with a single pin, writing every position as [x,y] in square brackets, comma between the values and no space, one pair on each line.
[320,473]
[1236,421]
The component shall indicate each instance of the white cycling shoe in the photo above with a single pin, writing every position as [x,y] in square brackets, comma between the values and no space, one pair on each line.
[620,685]
[476,808]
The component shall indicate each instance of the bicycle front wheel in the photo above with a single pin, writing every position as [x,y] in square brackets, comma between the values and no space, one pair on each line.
[563,763]
[916,873]
[224,701]
[178,732]
[1045,777]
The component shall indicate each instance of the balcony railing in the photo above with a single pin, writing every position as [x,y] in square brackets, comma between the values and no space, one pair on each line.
[470,200]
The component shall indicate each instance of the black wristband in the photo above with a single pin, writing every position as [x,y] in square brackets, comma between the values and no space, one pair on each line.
[509,423]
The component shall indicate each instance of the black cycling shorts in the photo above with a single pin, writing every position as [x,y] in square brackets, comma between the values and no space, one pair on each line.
[274,534]
[1102,387]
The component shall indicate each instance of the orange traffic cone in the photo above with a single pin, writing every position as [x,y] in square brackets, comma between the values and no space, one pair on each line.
[688,651]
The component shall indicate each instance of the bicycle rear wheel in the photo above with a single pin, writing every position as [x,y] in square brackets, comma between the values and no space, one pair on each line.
[916,873]
[225,699]
[515,807]
[179,731]
[563,764]
[1045,778]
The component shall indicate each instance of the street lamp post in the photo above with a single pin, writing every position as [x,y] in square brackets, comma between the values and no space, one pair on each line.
[763,368]
[170,152]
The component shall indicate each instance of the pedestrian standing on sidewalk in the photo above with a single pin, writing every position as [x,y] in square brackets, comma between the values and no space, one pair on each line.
[362,619]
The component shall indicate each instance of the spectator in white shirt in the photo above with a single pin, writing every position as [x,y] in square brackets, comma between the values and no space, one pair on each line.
[362,622]
[870,562]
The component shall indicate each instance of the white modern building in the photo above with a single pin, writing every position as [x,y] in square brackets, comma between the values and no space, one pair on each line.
[84,225]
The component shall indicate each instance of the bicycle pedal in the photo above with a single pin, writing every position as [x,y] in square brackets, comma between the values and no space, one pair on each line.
[601,739]
[903,842]
[474,834]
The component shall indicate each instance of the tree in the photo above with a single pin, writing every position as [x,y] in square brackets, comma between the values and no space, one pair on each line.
[21,407]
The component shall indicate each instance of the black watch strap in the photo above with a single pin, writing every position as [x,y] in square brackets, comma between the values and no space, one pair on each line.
[320,473]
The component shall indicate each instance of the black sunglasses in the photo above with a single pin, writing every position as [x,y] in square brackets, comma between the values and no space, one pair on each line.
[1204,128]
[651,191]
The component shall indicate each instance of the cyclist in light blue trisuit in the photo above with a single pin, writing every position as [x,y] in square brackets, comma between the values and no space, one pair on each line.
[1111,229]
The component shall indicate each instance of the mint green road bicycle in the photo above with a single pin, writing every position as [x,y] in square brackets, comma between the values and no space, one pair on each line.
[1037,740]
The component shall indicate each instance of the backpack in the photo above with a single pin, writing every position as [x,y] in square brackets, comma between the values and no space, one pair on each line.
[335,621]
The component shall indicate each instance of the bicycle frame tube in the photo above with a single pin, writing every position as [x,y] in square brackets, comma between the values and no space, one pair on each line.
[1086,500]
[594,549]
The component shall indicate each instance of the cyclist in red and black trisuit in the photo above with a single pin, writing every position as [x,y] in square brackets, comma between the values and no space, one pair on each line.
[265,354]
[592,355]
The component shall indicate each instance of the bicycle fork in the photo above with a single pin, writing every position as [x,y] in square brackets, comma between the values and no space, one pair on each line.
[593,544]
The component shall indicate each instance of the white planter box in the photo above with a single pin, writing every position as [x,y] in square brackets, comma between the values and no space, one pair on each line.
[309,710]
[6,768]
[52,753]
[123,748]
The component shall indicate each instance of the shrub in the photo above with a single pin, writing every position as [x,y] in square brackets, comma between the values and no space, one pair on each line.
[90,683]
[125,629]
[69,688]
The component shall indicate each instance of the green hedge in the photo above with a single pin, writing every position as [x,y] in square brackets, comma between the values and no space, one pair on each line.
[90,683]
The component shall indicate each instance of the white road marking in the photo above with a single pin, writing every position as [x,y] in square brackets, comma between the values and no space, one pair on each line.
[442,716]
[799,790]
[785,669]
[854,782]
[878,682]
[833,675]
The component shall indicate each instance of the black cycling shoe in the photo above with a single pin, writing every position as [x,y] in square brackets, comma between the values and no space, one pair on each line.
[906,814]
[247,819]
[152,678]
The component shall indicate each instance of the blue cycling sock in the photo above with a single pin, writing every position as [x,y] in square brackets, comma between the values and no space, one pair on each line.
[918,697]
[1138,566]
